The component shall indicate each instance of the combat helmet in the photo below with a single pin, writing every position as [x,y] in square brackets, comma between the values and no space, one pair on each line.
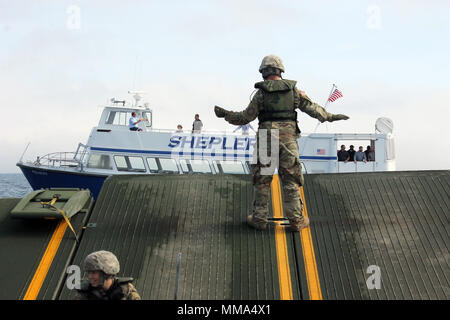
[102,261]
[271,65]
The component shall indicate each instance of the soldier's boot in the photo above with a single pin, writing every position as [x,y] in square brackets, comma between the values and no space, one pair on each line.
[256,223]
[297,224]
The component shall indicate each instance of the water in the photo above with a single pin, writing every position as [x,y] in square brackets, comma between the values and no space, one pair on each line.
[14,185]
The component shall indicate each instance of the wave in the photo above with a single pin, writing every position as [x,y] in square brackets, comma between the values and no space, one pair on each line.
[14,185]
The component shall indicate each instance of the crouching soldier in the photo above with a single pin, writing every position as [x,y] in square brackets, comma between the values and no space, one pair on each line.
[102,267]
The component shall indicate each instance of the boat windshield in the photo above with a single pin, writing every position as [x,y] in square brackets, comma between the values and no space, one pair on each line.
[118,118]
[148,116]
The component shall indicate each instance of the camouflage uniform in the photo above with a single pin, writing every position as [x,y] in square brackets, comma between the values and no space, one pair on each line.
[122,289]
[107,263]
[274,104]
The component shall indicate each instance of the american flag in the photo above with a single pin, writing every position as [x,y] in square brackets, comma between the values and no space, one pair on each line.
[321,151]
[335,95]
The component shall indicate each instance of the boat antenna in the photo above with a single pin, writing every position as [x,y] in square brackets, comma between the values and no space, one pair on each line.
[135,71]
[137,96]
[26,148]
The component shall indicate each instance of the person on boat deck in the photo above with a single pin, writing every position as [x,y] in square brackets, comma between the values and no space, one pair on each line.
[197,125]
[103,283]
[343,155]
[360,155]
[351,153]
[370,153]
[179,128]
[134,121]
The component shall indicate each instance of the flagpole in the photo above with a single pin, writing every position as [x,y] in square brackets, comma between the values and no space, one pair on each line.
[328,99]
[325,105]
[326,102]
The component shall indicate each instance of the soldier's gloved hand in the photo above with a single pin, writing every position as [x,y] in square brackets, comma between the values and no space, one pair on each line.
[220,112]
[339,117]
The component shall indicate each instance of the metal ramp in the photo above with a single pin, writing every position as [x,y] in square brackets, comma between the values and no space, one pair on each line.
[147,220]
[34,254]
[396,221]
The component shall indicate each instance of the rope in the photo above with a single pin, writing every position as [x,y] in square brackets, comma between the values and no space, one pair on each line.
[50,204]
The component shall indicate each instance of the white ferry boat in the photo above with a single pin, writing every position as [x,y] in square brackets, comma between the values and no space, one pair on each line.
[113,149]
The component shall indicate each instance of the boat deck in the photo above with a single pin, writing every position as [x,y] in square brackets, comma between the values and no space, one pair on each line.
[396,221]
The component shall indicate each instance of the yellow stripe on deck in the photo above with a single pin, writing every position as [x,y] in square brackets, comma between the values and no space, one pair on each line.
[312,275]
[284,273]
[46,262]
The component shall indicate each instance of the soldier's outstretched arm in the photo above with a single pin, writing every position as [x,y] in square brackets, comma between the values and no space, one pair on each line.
[243,117]
[132,293]
[316,111]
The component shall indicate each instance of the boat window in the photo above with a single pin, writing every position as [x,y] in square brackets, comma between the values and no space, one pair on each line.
[111,116]
[148,116]
[137,164]
[118,118]
[184,166]
[152,164]
[201,166]
[216,168]
[168,165]
[198,166]
[121,163]
[128,163]
[99,161]
[233,167]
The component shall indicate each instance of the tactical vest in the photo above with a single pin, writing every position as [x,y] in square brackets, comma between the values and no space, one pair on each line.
[113,293]
[278,100]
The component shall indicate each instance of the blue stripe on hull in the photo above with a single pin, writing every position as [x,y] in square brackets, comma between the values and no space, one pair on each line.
[317,158]
[41,178]
[205,154]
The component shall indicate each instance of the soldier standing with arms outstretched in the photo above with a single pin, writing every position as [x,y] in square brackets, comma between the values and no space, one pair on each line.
[274,104]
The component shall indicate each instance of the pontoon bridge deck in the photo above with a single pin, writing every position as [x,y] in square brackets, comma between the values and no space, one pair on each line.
[391,224]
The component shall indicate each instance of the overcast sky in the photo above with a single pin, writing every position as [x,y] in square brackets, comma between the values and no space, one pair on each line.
[61,60]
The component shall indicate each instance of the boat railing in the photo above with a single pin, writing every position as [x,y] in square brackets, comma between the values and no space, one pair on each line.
[58,160]
[202,132]
[81,152]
